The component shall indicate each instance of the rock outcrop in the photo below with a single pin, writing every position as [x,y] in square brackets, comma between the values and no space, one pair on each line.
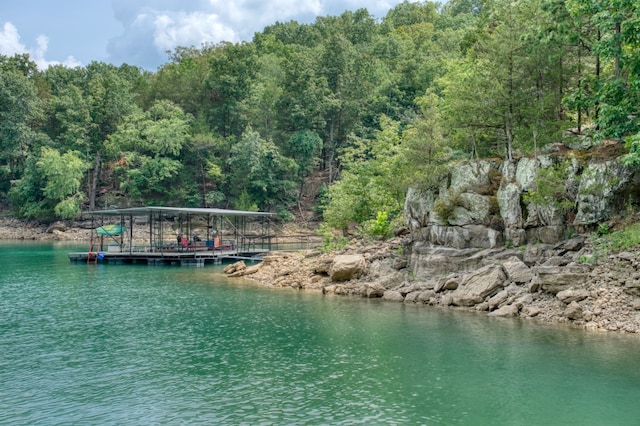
[484,204]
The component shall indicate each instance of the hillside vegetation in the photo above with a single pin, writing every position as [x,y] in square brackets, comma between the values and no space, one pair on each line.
[374,106]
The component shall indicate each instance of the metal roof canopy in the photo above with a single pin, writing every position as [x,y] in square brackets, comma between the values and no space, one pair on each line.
[179,211]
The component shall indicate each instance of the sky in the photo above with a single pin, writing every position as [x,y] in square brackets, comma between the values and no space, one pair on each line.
[140,32]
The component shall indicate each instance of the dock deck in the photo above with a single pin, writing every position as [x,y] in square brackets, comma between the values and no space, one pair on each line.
[181,258]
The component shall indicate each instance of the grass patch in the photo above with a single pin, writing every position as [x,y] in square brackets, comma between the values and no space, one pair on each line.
[623,239]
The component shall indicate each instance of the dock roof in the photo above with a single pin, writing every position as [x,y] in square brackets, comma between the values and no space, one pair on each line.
[180,211]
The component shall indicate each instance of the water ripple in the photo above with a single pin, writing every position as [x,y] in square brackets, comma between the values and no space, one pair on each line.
[87,344]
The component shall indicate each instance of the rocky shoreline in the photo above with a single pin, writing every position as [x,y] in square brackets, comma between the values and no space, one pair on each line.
[540,282]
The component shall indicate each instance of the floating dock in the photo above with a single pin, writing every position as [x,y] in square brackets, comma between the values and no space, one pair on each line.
[176,236]
[195,258]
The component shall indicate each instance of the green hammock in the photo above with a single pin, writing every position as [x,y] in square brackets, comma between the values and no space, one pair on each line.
[111,230]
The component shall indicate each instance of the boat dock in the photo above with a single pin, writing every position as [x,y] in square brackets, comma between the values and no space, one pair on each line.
[175,236]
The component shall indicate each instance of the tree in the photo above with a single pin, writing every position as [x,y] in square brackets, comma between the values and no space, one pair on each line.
[371,181]
[232,70]
[109,99]
[617,51]
[261,172]
[51,185]
[20,110]
[63,176]
[147,146]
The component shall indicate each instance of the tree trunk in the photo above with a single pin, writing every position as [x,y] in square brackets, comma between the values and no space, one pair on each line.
[94,181]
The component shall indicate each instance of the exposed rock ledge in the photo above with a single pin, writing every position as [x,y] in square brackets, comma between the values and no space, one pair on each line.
[543,282]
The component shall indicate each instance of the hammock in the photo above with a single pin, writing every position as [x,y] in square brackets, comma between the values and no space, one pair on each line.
[111,230]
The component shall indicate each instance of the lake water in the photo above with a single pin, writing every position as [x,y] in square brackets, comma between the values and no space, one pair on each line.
[137,344]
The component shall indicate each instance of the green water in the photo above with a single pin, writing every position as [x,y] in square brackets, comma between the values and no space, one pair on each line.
[127,344]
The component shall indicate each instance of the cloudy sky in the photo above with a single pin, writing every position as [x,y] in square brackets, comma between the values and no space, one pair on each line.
[140,32]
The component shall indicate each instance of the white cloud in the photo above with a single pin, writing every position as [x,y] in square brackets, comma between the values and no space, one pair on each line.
[10,45]
[10,40]
[190,29]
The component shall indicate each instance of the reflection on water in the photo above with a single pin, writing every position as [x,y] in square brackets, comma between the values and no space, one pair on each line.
[137,344]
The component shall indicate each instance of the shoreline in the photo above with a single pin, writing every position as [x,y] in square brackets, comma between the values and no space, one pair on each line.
[603,297]
[557,289]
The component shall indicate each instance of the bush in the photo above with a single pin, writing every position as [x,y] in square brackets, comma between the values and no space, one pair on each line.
[444,207]
[330,242]
[380,226]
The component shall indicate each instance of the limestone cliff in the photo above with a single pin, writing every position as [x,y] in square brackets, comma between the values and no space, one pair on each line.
[491,203]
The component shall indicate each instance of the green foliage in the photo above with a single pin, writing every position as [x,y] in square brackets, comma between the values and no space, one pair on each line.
[632,158]
[52,185]
[377,105]
[330,242]
[246,203]
[623,239]
[20,107]
[371,181]
[380,226]
[148,145]
[258,168]
[283,214]
[444,207]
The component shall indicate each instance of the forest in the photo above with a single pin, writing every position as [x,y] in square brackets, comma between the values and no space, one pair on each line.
[375,105]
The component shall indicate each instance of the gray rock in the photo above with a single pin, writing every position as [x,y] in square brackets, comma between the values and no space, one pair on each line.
[557,261]
[373,291]
[554,279]
[393,296]
[546,234]
[426,296]
[461,237]
[573,244]
[510,207]
[346,267]
[447,284]
[476,210]
[517,271]
[598,187]
[534,285]
[447,300]
[417,208]
[573,311]
[484,306]
[531,311]
[427,261]
[505,311]
[412,297]
[498,299]
[477,286]
[572,295]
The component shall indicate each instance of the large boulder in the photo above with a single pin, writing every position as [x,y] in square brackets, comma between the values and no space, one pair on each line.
[393,296]
[346,267]
[429,261]
[554,279]
[505,311]
[235,267]
[517,271]
[461,237]
[477,286]
[572,295]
